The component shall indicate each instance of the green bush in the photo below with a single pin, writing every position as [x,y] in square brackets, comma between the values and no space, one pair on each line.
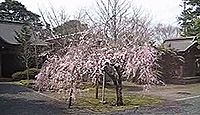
[22,75]
[32,72]
[18,76]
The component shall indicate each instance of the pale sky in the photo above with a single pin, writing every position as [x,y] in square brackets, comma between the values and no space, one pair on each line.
[161,11]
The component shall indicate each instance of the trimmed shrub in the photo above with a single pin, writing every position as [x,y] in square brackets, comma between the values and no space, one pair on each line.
[32,72]
[22,74]
[18,76]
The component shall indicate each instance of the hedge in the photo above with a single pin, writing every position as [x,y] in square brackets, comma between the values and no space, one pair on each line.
[22,75]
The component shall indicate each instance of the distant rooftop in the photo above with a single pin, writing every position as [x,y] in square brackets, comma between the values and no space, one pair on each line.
[180,44]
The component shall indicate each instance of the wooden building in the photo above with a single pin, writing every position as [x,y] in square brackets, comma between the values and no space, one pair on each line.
[188,49]
[9,61]
[9,54]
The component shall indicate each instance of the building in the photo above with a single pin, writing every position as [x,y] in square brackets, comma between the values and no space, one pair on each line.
[188,49]
[9,61]
[9,54]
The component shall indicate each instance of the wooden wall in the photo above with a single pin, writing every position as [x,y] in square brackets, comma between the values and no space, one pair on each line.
[190,65]
[9,59]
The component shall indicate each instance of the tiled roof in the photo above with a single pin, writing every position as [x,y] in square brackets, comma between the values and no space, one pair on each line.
[180,44]
[8,31]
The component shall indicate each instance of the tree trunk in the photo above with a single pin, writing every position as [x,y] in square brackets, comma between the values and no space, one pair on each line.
[70,98]
[117,80]
[36,57]
[27,68]
[119,87]
[119,100]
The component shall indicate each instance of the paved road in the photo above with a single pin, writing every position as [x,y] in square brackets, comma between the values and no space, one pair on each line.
[17,100]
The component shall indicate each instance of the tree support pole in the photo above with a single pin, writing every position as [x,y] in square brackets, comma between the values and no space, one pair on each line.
[103,90]
[97,88]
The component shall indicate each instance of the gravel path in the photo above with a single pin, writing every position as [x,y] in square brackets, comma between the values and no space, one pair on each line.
[17,100]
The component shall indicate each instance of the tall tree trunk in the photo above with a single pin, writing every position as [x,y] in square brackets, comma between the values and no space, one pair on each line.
[27,68]
[36,57]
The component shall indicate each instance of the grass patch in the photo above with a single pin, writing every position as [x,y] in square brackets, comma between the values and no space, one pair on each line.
[86,85]
[87,99]
[25,83]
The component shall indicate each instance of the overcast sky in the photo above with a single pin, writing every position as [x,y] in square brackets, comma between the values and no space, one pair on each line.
[161,11]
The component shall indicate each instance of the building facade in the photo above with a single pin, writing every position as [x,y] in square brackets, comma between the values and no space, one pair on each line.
[9,59]
[187,48]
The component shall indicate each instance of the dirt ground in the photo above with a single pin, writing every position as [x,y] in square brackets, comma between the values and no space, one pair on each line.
[174,92]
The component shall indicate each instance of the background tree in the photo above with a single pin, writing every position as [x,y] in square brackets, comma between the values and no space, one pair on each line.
[59,29]
[53,18]
[163,32]
[190,18]
[70,27]
[12,10]
[26,49]
[117,18]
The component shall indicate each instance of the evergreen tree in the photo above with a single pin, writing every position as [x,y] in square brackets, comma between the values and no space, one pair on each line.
[190,18]
[12,10]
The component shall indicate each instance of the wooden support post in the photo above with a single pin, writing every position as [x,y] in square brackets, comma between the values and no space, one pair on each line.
[97,88]
[103,90]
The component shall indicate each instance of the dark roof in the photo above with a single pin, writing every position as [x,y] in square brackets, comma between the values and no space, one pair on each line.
[180,44]
[8,31]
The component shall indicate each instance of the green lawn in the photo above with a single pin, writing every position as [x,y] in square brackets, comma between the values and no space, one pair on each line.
[87,99]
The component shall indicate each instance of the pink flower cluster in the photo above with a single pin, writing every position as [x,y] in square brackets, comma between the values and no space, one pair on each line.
[86,60]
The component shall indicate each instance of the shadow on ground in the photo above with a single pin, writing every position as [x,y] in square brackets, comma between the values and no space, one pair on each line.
[21,106]
[11,89]
[18,100]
